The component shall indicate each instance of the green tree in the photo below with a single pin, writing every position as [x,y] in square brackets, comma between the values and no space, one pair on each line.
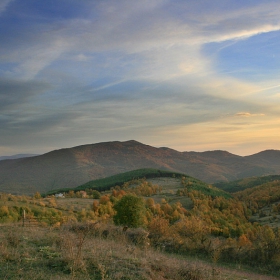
[131,211]
[95,194]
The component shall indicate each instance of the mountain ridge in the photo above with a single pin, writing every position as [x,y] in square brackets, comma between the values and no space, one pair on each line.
[70,167]
[17,156]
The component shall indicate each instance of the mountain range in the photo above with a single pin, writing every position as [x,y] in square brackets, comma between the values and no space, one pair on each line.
[17,156]
[71,167]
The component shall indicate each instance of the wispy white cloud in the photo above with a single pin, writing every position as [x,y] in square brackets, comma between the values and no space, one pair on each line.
[4,4]
[37,57]
[262,89]
[129,69]
[245,33]
[164,44]
[247,114]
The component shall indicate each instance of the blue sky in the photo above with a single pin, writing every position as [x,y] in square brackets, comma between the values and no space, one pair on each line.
[189,75]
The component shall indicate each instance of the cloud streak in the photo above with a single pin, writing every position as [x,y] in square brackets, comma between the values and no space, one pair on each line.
[247,114]
[130,69]
[13,93]
[3,5]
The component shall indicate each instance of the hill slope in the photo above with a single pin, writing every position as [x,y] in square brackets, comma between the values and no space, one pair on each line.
[67,168]
[246,183]
[150,174]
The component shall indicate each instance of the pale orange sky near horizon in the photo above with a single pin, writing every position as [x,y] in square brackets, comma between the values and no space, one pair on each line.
[188,75]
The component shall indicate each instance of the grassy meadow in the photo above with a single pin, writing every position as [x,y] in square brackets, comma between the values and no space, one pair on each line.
[190,230]
[79,252]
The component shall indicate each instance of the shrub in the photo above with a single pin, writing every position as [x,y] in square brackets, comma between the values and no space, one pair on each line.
[131,211]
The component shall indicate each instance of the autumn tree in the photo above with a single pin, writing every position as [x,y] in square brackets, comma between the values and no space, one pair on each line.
[37,195]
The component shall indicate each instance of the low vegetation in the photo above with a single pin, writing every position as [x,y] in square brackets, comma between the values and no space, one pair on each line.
[145,228]
[264,203]
[243,184]
[82,251]
[146,173]
[119,179]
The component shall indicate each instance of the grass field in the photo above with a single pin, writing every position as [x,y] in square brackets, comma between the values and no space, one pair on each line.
[60,250]
[169,189]
[65,253]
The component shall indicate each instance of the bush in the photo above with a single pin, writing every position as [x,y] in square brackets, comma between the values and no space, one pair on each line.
[131,211]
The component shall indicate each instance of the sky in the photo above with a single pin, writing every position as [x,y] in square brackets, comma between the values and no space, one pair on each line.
[190,75]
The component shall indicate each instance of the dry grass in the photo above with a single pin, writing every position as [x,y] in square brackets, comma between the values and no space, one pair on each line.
[76,204]
[169,188]
[82,252]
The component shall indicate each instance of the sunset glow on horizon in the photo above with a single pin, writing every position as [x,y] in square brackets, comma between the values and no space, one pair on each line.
[189,75]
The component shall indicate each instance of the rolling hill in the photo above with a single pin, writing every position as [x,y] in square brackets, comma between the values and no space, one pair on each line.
[71,167]
[247,183]
[148,174]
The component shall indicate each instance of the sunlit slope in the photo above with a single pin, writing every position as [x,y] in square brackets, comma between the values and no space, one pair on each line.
[71,167]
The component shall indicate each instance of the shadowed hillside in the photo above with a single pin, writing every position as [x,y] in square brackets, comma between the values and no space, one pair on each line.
[67,168]
[246,183]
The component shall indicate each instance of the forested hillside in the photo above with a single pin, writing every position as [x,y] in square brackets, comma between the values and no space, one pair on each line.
[240,185]
[177,214]
[69,168]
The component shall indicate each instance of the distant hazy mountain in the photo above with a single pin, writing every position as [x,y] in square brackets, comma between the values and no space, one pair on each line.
[17,156]
[74,166]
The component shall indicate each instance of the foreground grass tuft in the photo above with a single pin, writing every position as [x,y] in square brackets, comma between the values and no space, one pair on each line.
[82,251]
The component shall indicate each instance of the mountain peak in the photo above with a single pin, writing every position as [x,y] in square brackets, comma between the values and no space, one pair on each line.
[132,143]
[75,166]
